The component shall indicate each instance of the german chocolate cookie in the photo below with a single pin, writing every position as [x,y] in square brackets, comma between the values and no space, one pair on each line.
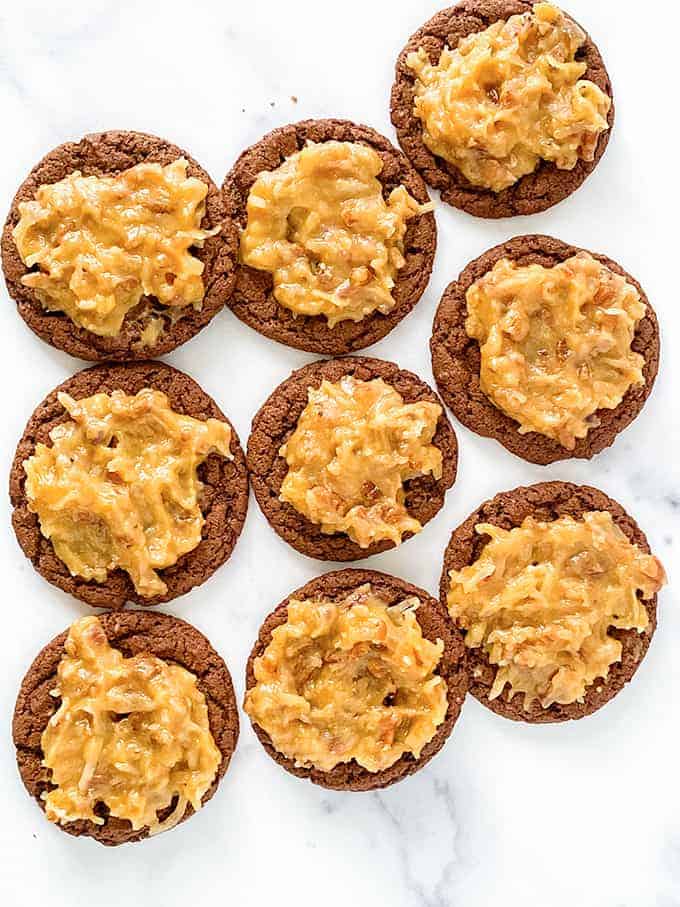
[108,154]
[133,633]
[253,300]
[546,501]
[456,359]
[275,423]
[536,191]
[223,501]
[435,624]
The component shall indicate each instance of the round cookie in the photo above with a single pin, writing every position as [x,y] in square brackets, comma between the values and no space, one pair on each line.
[107,154]
[456,359]
[536,191]
[132,633]
[276,421]
[435,624]
[253,298]
[224,499]
[546,501]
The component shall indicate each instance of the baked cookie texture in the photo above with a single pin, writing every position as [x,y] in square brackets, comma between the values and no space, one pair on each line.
[133,633]
[253,299]
[537,191]
[435,624]
[224,499]
[106,154]
[546,501]
[456,359]
[276,421]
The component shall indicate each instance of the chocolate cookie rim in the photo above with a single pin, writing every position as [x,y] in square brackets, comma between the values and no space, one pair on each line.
[122,629]
[255,288]
[276,420]
[99,154]
[559,498]
[535,192]
[350,775]
[226,482]
[463,394]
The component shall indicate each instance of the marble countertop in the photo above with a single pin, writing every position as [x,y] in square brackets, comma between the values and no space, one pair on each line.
[587,813]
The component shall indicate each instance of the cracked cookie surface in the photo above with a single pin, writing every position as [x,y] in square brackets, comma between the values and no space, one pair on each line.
[133,633]
[107,154]
[546,501]
[224,498]
[456,359]
[435,624]
[253,299]
[276,421]
[537,191]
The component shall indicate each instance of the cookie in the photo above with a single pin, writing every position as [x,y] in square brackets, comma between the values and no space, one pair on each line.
[133,633]
[106,154]
[546,501]
[253,298]
[435,624]
[536,191]
[224,498]
[456,359]
[276,421]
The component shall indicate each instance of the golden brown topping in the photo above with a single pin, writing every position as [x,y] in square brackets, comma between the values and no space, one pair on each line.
[102,243]
[509,97]
[555,343]
[349,679]
[129,733]
[540,600]
[118,487]
[320,225]
[354,446]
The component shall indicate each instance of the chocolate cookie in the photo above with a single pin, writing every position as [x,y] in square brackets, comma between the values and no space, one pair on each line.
[275,423]
[532,193]
[253,298]
[435,624]
[224,498]
[132,633]
[106,154]
[546,501]
[456,359]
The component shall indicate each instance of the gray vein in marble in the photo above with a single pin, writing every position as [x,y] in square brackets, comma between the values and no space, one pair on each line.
[410,819]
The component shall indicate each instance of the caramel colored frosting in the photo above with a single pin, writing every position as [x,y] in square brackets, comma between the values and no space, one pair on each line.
[510,96]
[349,679]
[555,343]
[354,445]
[319,224]
[100,244]
[541,599]
[118,486]
[130,734]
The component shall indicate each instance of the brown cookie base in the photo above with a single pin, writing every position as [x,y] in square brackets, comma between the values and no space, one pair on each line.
[224,499]
[545,501]
[132,633]
[253,299]
[435,624]
[277,420]
[456,359]
[539,190]
[106,154]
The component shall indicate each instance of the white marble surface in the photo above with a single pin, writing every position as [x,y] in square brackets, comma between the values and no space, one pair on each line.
[585,814]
